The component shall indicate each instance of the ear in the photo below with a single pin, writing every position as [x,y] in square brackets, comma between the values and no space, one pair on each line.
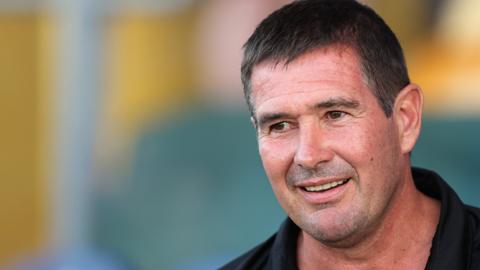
[408,116]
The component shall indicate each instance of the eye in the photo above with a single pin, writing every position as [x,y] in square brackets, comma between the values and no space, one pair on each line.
[280,127]
[335,115]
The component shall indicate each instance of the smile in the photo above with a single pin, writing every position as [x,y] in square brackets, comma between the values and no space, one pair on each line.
[327,186]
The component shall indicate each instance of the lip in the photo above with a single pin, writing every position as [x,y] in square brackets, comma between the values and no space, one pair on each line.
[322,181]
[323,197]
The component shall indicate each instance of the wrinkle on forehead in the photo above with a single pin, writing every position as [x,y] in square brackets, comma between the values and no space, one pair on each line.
[340,62]
[293,93]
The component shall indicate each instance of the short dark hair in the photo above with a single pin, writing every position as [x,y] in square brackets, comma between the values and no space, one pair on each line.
[305,25]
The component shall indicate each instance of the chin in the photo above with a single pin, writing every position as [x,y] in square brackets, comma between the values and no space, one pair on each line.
[339,232]
[338,239]
[330,235]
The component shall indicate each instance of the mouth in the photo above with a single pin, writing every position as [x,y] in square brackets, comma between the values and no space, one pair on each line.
[327,186]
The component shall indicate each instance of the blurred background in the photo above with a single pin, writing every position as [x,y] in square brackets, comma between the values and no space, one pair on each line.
[125,142]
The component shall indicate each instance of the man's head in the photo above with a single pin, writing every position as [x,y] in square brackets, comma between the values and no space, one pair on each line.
[303,26]
[335,149]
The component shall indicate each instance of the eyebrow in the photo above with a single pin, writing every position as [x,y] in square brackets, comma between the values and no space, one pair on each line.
[335,102]
[338,102]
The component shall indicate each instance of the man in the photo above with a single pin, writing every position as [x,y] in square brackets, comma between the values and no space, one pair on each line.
[336,119]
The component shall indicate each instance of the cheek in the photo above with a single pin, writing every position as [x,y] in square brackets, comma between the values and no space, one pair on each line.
[352,144]
[365,144]
[374,152]
[276,158]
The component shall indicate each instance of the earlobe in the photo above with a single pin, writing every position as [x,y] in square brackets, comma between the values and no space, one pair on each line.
[408,116]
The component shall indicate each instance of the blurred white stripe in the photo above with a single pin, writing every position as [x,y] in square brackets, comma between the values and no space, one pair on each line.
[74,114]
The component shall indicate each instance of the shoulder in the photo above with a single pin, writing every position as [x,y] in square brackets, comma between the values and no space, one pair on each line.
[474,216]
[256,258]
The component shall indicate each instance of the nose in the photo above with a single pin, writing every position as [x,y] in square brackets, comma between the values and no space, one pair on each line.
[312,147]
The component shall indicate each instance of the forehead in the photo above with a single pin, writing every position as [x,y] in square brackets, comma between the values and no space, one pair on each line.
[332,71]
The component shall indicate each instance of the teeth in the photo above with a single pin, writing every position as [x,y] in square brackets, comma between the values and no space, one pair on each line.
[326,186]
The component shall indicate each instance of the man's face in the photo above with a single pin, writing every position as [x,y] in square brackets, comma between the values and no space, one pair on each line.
[329,151]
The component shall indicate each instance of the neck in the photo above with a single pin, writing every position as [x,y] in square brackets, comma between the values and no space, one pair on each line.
[402,238]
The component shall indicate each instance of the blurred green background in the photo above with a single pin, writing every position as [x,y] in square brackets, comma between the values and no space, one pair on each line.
[125,140]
